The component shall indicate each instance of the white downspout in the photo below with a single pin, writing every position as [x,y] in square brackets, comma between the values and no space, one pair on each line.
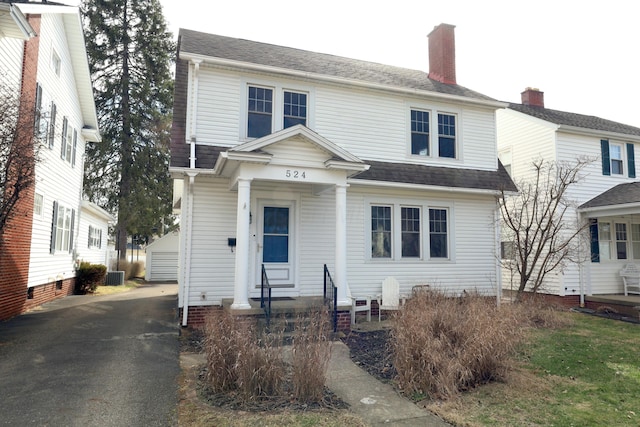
[580,266]
[496,219]
[188,244]
[186,274]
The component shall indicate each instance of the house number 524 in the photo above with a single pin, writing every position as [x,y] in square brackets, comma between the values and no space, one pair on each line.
[295,174]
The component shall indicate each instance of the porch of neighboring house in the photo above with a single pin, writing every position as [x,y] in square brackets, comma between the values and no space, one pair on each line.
[626,305]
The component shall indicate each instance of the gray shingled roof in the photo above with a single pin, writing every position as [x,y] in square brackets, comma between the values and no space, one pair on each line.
[212,45]
[576,120]
[621,194]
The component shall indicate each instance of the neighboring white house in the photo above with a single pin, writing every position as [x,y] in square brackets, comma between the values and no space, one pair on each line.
[607,197]
[162,259]
[93,235]
[53,72]
[294,159]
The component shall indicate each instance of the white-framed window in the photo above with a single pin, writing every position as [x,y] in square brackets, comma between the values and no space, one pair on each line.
[69,143]
[635,240]
[616,158]
[55,62]
[38,205]
[62,228]
[53,111]
[604,240]
[621,240]
[396,231]
[271,107]
[438,233]
[433,133]
[95,237]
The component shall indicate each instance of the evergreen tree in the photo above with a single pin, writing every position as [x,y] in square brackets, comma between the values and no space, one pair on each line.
[130,55]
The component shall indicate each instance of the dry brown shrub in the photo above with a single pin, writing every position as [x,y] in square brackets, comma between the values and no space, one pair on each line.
[542,313]
[443,345]
[311,351]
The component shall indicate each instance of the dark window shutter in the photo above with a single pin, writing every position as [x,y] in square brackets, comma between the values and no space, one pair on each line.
[54,228]
[631,161]
[89,239]
[63,146]
[595,247]
[75,146]
[606,161]
[73,217]
[99,238]
[38,109]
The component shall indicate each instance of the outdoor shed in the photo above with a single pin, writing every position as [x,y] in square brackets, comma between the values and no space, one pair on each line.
[162,259]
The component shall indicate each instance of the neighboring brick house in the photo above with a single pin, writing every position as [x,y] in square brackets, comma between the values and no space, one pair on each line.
[291,159]
[607,196]
[42,52]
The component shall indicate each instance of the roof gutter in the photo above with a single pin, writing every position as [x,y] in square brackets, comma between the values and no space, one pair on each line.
[21,22]
[404,185]
[596,209]
[228,63]
[595,132]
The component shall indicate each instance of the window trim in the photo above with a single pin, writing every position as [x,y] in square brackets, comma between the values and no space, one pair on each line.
[56,247]
[40,214]
[612,159]
[56,61]
[94,237]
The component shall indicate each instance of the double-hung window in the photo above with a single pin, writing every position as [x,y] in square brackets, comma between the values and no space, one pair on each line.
[260,112]
[635,240]
[410,219]
[381,222]
[62,229]
[615,153]
[447,135]
[438,234]
[52,124]
[420,132]
[613,158]
[69,143]
[295,109]
[621,240]
[95,237]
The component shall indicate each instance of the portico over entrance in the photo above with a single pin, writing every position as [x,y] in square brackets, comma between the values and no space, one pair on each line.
[275,178]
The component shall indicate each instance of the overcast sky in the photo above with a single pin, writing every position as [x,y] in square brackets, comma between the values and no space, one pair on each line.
[583,54]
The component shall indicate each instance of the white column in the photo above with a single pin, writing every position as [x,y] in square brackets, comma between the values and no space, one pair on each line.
[241,288]
[341,244]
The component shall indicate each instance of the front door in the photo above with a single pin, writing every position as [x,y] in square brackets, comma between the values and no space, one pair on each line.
[276,243]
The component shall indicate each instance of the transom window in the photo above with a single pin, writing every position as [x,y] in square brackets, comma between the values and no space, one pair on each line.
[447,135]
[260,112]
[420,132]
[295,109]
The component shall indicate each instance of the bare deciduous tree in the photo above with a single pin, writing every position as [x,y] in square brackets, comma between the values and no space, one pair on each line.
[539,224]
[18,151]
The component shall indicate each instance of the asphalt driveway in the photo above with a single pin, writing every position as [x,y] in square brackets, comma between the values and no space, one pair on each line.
[93,361]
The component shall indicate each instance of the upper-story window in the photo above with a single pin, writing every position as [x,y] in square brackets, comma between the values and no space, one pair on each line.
[422,129]
[55,62]
[420,132]
[260,111]
[613,158]
[69,143]
[295,109]
[447,135]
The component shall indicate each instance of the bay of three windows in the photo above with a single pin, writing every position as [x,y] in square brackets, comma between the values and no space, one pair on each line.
[403,238]
[614,240]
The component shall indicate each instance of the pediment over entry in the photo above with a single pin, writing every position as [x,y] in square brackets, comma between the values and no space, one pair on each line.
[297,146]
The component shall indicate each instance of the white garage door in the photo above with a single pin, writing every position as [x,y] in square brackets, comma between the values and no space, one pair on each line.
[164,266]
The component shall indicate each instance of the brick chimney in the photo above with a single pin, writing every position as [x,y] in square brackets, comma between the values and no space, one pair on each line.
[442,54]
[532,97]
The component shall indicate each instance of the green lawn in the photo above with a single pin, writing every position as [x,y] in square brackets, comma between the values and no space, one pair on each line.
[587,374]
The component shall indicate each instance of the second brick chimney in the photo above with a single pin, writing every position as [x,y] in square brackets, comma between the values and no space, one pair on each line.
[442,54]
[532,97]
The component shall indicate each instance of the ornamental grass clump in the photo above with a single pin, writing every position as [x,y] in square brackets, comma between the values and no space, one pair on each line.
[311,350]
[443,345]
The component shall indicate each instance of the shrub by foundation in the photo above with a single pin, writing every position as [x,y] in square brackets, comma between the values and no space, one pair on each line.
[88,277]
[443,345]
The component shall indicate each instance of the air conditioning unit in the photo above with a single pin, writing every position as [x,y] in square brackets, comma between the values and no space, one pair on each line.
[114,278]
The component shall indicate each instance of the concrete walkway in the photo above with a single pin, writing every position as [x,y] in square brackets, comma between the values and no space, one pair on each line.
[377,403]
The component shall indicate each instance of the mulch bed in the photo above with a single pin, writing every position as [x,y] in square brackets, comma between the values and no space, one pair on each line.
[370,350]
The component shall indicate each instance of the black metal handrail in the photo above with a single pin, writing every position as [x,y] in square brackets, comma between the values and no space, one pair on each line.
[265,288]
[331,297]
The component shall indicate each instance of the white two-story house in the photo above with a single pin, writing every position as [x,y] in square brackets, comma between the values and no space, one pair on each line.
[606,197]
[293,160]
[46,60]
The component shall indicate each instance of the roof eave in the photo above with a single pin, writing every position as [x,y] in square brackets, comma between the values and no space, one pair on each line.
[443,189]
[228,63]
[598,133]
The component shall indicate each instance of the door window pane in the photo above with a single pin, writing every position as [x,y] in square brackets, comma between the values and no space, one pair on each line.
[276,235]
